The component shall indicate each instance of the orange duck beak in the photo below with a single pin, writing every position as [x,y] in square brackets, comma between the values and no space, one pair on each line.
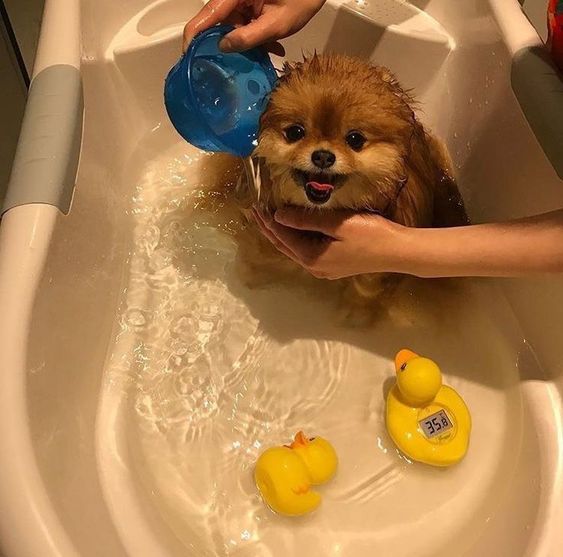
[299,441]
[402,357]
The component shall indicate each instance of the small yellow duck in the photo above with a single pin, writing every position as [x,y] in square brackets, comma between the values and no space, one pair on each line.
[284,475]
[428,421]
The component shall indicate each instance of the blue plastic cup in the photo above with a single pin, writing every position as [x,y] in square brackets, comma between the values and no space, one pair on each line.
[215,99]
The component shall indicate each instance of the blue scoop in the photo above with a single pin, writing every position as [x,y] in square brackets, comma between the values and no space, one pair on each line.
[215,99]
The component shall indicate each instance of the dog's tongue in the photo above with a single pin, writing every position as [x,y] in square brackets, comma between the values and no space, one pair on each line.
[320,187]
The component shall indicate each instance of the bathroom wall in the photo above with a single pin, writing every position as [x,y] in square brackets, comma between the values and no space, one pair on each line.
[20,22]
[12,103]
[536,10]
[25,16]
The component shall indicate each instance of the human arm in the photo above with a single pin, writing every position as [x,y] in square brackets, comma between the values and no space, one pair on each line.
[358,243]
[258,21]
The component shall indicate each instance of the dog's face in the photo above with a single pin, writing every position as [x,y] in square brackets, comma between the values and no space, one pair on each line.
[336,134]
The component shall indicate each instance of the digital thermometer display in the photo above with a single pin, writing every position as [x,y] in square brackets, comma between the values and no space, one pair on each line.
[435,424]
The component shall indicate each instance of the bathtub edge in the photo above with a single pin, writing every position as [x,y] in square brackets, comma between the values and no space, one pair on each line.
[25,235]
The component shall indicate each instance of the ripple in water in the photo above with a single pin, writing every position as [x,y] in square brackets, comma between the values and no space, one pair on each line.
[204,371]
[211,384]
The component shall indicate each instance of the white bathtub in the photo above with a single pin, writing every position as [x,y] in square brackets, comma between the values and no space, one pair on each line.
[101,456]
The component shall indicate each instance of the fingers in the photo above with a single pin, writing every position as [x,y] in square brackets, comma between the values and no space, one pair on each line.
[329,223]
[271,236]
[212,13]
[262,29]
[307,252]
[257,32]
[257,7]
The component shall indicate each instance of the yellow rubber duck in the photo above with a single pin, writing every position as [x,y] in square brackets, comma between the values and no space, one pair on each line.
[284,475]
[428,421]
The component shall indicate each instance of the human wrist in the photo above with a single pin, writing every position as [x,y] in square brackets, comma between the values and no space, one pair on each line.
[404,249]
[391,248]
[441,252]
[410,250]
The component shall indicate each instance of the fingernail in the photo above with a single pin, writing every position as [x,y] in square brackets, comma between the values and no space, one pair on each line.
[226,45]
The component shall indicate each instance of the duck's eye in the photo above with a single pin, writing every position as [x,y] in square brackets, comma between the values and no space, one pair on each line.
[404,366]
[294,133]
[355,140]
[312,438]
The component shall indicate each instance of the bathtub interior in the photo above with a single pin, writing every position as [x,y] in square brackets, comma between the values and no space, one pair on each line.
[155,377]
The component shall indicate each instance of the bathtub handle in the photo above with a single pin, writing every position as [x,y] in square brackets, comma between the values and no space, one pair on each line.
[539,89]
[48,151]
[535,82]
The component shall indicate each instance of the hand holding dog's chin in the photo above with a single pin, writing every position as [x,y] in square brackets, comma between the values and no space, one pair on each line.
[351,244]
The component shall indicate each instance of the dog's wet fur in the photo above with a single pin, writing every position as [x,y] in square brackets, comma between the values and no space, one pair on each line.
[340,133]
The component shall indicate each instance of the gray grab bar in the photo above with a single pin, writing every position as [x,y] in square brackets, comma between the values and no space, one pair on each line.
[48,151]
[538,86]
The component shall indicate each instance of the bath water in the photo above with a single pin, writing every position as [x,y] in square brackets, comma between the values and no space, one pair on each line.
[212,372]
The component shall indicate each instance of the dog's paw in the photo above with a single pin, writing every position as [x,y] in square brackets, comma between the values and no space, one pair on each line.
[403,317]
[409,312]
[354,316]
[251,276]
[254,279]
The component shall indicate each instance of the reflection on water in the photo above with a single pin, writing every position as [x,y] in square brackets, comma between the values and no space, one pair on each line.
[216,373]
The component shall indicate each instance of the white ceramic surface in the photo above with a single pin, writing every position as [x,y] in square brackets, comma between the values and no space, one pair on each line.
[139,379]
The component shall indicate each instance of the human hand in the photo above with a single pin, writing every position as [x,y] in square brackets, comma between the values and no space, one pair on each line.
[257,21]
[346,243]
[350,244]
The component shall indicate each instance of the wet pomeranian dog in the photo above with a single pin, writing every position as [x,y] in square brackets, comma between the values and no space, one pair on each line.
[339,133]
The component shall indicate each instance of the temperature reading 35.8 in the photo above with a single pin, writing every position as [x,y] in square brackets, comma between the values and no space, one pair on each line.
[435,424]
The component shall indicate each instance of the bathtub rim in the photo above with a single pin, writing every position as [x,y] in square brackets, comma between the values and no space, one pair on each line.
[29,525]
[25,233]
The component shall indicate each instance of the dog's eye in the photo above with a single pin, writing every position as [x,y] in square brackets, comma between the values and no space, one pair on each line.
[355,140]
[294,133]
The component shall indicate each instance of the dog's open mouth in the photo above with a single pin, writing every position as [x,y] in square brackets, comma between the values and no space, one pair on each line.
[317,192]
[318,186]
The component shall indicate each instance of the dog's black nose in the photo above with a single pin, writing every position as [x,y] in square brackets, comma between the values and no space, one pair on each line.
[323,159]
